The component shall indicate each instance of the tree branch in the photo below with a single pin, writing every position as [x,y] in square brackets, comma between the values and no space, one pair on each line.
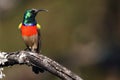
[39,60]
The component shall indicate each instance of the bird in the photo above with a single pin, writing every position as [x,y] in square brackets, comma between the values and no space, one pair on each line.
[30,31]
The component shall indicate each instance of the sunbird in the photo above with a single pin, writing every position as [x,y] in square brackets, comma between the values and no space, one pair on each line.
[30,31]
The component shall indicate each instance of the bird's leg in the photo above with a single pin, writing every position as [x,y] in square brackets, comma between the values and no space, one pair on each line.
[27,49]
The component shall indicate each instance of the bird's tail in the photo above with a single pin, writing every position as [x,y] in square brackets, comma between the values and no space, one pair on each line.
[37,69]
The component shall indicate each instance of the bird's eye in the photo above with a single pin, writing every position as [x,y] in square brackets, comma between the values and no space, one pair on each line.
[32,11]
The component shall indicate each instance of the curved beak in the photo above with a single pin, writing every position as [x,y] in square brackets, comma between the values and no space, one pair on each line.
[45,10]
[39,10]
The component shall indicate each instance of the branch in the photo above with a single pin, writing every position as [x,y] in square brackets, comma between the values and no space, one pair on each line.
[39,60]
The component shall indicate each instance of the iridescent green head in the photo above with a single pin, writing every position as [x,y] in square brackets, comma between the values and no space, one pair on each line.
[29,16]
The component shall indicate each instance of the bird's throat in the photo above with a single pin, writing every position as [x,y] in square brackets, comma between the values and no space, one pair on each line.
[29,22]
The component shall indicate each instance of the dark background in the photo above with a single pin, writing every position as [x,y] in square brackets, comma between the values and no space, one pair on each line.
[82,35]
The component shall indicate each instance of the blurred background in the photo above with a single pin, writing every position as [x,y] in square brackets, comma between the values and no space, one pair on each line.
[82,35]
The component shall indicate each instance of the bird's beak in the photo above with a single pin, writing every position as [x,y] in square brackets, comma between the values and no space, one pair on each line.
[39,10]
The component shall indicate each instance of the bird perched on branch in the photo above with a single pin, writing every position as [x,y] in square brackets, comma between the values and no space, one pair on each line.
[30,31]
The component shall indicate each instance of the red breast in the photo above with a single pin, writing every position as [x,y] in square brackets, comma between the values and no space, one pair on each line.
[28,30]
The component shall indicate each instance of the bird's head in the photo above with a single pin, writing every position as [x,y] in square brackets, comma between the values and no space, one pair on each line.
[29,15]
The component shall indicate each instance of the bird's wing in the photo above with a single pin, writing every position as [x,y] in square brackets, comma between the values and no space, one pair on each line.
[39,38]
